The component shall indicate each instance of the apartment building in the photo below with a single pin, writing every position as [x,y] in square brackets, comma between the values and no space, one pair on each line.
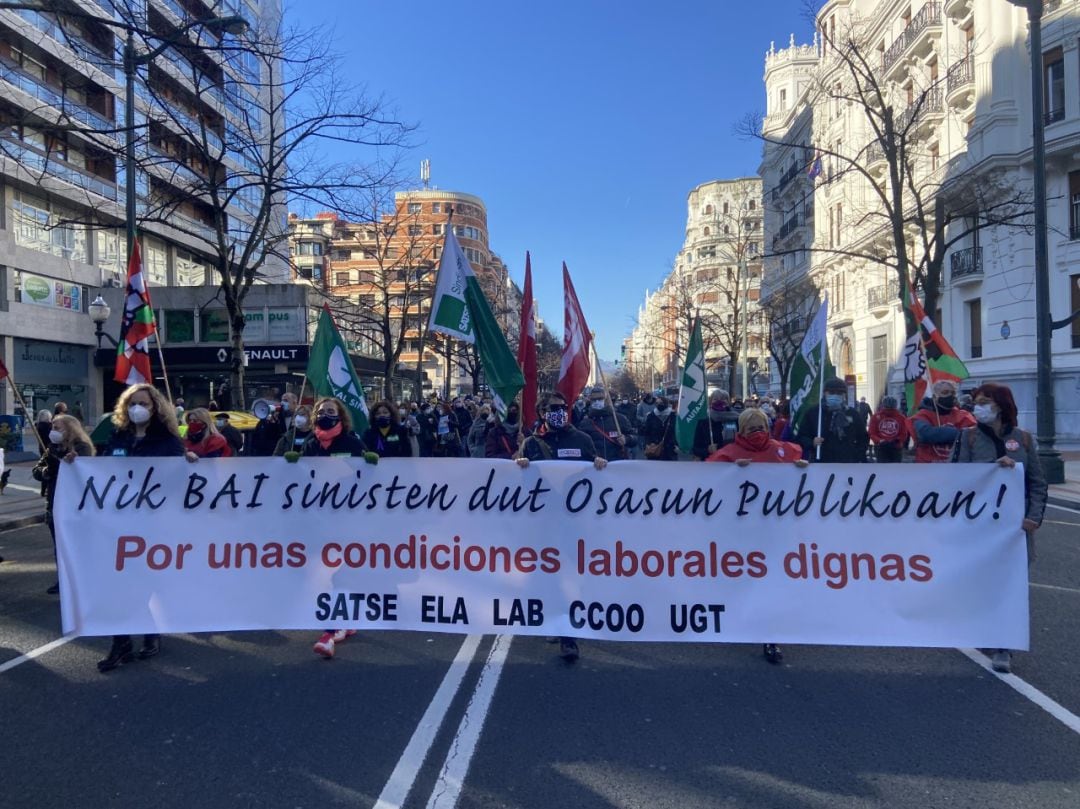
[62,181]
[716,277]
[957,75]
[382,272]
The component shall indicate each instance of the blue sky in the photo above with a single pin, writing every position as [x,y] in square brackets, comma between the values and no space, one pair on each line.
[582,125]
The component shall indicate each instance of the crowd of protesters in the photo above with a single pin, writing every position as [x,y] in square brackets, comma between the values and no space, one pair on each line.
[597,428]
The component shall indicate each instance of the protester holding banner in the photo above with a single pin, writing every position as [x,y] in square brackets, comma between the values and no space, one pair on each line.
[67,440]
[611,433]
[203,439]
[333,436]
[938,423]
[842,437]
[997,438]
[294,438]
[145,427]
[387,436]
[658,434]
[753,443]
[718,429]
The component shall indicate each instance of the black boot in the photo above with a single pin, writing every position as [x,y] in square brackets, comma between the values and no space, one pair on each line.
[151,645]
[120,653]
[773,654]
[54,590]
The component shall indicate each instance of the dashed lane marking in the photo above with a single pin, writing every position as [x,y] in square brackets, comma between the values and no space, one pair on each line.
[38,652]
[1026,689]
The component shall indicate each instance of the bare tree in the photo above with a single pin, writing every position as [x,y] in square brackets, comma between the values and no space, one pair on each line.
[788,311]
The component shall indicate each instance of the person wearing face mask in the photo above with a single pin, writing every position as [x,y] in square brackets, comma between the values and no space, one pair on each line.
[996,438]
[718,429]
[203,439]
[753,444]
[843,437]
[938,423]
[448,442]
[644,408]
[477,435]
[67,441]
[559,440]
[387,436]
[658,434]
[462,416]
[612,434]
[233,436]
[428,421]
[504,436]
[298,434]
[145,427]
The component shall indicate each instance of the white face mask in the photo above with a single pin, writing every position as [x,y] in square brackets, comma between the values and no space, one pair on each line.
[220,423]
[301,422]
[55,436]
[984,413]
[139,414]
[597,404]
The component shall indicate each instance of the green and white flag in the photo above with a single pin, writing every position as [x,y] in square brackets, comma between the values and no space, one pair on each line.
[331,373]
[461,311]
[810,367]
[692,393]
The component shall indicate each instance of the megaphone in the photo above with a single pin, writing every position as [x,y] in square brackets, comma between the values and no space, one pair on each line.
[261,408]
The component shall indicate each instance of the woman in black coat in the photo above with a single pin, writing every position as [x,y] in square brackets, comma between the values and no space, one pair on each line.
[387,436]
[659,431]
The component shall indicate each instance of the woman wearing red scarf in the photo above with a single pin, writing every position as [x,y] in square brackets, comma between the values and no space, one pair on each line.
[203,439]
[753,443]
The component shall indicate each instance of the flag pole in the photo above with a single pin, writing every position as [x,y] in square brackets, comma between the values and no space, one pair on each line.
[157,334]
[821,395]
[19,398]
[607,393]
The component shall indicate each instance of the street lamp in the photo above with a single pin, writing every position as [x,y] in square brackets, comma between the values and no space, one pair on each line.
[1052,464]
[99,313]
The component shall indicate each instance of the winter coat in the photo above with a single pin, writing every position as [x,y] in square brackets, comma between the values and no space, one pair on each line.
[659,430]
[157,443]
[292,442]
[716,429]
[980,444]
[395,444]
[599,425]
[347,444]
[774,452]
[212,446]
[501,441]
[47,469]
[475,437]
[565,444]
[844,433]
[936,432]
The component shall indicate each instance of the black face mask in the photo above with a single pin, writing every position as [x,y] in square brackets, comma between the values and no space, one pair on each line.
[327,422]
[946,402]
[382,421]
[512,417]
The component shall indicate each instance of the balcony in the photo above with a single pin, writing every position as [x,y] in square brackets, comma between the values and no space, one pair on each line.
[32,159]
[69,40]
[42,92]
[923,111]
[966,265]
[920,32]
[881,298]
[960,82]
[787,177]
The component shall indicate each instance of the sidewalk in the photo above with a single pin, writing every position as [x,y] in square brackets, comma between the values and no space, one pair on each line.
[21,503]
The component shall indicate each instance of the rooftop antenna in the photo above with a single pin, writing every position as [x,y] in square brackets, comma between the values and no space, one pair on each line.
[425,172]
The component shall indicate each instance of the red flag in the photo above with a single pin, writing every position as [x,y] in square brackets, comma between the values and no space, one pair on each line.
[4,370]
[526,354]
[575,366]
[133,351]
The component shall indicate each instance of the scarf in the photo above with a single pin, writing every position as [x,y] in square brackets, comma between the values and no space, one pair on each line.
[755,442]
[326,437]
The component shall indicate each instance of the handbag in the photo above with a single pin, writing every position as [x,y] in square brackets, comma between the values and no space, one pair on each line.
[655,450]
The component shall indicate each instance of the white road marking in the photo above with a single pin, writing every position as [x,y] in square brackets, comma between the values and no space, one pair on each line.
[1055,587]
[456,767]
[412,759]
[38,652]
[19,487]
[1055,709]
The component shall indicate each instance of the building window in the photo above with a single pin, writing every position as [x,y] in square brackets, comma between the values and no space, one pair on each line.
[436,207]
[155,260]
[415,230]
[935,157]
[725,207]
[1074,204]
[309,249]
[974,314]
[783,99]
[415,207]
[179,326]
[707,231]
[708,210]
[191,271]
[341,278]
[436,230]
[1054,85]
[38,226]
[753,204]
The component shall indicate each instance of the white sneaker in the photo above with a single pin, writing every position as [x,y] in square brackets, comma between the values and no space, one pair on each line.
[324,646]
[1002,661]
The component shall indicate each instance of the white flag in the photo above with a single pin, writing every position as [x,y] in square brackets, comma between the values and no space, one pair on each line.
[449,312]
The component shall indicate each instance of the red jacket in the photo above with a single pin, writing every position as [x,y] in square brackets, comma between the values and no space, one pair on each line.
[774,452]
[934,451]
[213,446]
[889,426]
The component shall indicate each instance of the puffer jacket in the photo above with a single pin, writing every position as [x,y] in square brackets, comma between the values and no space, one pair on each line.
[980,444]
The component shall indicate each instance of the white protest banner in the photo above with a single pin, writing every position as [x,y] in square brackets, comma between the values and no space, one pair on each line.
[899,555]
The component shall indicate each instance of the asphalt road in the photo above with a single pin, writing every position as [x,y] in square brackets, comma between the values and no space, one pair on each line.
[256,720]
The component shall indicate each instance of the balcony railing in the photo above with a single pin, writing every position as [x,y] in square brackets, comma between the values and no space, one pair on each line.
[787,177]
[42,92]
[33,159]
[929,102]
[928,15]
[966,262]
[961,74]
[882,296]
[82,48]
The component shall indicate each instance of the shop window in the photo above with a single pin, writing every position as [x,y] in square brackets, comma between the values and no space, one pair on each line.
[179,326]
[214,326]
